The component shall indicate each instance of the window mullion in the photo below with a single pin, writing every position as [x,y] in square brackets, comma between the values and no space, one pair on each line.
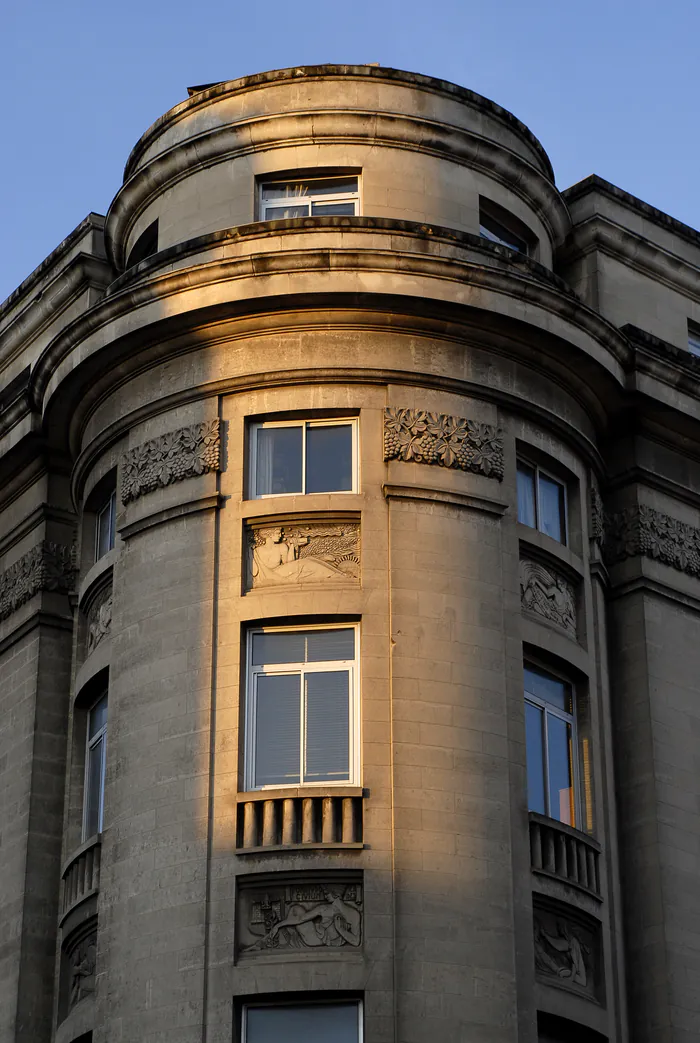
[303,458]
[302,728]
[545,725]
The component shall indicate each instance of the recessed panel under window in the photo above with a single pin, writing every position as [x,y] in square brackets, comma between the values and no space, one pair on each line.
[303,457]
[309,197]
[301,1023]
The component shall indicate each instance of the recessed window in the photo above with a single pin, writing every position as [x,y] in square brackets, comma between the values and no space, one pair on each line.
[551,746]
[145,245]
[693,339]
[105,526]
[318,456]
[93,793]
[302,707]
[499,226]
[312,197]
[302,1023]
[541,501]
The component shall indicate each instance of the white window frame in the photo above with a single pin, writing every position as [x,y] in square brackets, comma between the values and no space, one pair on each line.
[109,507]
[100,737]
[569,718]
[252,672]
[340,197]
[302,1003]
[554,478]
[351,422]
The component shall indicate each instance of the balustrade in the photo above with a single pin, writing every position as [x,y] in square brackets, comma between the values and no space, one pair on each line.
[558,850]
[81,875]
[298,818]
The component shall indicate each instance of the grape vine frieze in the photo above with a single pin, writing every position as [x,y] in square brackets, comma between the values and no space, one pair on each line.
[447,441]
[185,453]
[48,566]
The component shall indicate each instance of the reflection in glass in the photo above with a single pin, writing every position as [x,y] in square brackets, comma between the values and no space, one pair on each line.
[333,209]
[535,758]
[317,1023]
[526,496]
[551,505]
[329,458]
[282,213]
[278,467]
[93,788]
[561,792]
[277,737]
[549,689]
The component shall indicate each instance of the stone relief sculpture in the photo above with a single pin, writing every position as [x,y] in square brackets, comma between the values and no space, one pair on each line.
[597,516]
[48,566]
[564,950]
[82,969]
[313,552]
[547,594]
[448,441]
[99,619]
[177,455]
[301,916]
[642,530]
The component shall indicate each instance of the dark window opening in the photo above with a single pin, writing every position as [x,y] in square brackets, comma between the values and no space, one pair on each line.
[145,245]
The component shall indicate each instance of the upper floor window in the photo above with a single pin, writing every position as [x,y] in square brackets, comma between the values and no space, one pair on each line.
[93,792]
[499,226]
[302,707]
[541,501]
[309,197]
[145,245]
[303,456]
[105,526]
[339,1022]
[551,746]
[693,339]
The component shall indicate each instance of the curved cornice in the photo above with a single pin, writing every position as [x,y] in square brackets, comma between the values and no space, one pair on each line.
[344,126]
[362,73]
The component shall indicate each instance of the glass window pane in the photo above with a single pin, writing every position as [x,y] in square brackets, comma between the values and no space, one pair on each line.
[329,458]
[337,186]
[286,647]
[98,716]
[333,209]
[93,789]
[526,495]
[327,727]
[320,1023]
[549,689]
[551,505]
[535,758]
[105,528]
[285,190]
[277,737]
[561,791]
[283,213]
[278,460]
[326,646]
[493,230]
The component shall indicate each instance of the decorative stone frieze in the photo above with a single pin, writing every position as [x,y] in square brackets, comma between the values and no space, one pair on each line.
[597,516]
[81,978]
[99,619]
[300,914]
[567,945]
[642,530]
[545,593]
[308,552]
[448,441]
[185,453]
[48,566]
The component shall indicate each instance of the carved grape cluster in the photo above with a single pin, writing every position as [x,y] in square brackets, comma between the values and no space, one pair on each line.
[180,454]
[448,441]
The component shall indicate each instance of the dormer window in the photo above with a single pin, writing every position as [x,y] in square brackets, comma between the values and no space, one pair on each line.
[309,197]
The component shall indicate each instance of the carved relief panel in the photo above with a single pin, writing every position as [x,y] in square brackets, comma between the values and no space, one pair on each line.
[306,912]
[302,552]
[78,961]
[547,594]
[567,949]
[98,618]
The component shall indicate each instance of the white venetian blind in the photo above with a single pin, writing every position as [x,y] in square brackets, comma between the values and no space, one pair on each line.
[277,729]
[327,726]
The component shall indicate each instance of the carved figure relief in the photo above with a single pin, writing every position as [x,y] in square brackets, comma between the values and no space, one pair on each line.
[597,519]
[304,915]
[177,455]
[99,619]
[448,441]
[643,530]
[547,594]
[313,552]
[48,566]
[565,950]
[82,969]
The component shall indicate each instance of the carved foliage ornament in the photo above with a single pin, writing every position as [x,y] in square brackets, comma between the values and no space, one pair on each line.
[48,566]
[99,618]
[323,914]
[448,441]
[566,951]
[597,516]
[646,531]
[313,552]
[547,594]
[180,454]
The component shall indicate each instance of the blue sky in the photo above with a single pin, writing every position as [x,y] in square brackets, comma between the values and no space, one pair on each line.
[608,86]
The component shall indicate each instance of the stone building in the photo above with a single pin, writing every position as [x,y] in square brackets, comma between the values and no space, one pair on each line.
[350,589]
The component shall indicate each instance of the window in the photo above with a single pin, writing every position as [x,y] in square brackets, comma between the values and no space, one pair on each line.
[302,1023]
[314,197]
[145,245]
[105,526]
[498,226]
[693,339]
[550,732]
[302,707]
[318,456]
[541,501]
[93,794]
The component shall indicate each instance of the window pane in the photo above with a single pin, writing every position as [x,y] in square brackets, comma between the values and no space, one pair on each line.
[287,647]
[105,528]
[551,504]
[535,758]
[327,727]
[329,458]
[561,792]
[333,209]
[493,230]
[278,460]
[325,646]
[93,789]
[321,1023]
[285,190]
[282,213]
[98,717]
[277,738]
[549,689]
[526,495]
[336,186]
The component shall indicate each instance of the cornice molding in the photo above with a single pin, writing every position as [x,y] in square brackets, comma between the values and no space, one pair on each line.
[431,494]
[327,127]
[185,453]
[48,566]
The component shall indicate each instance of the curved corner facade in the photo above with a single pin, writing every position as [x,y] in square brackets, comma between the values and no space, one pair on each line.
[349,588]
